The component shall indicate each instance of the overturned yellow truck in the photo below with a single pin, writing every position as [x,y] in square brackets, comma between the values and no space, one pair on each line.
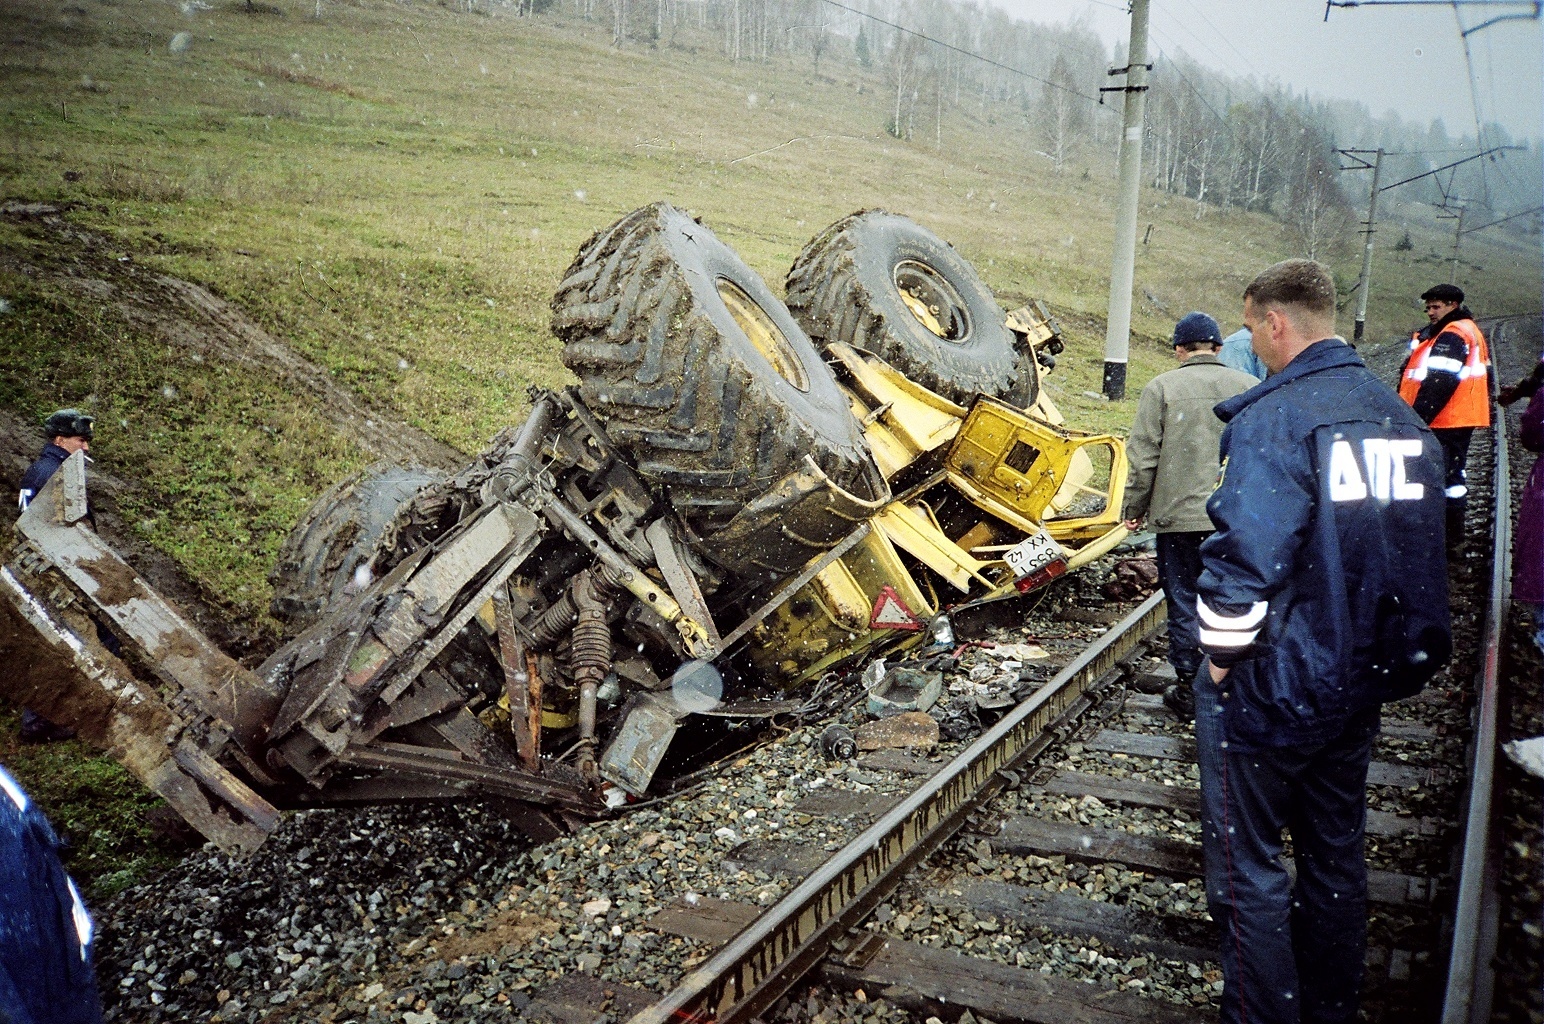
[740,496]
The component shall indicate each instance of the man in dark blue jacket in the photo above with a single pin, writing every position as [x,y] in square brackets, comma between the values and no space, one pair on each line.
[1323,595]
[68,431]
[45,933]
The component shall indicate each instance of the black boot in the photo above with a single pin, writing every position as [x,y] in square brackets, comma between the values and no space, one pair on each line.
[1181,700]
[37,729]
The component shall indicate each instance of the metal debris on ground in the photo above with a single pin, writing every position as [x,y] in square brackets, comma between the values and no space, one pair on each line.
[907,729]
[905,689]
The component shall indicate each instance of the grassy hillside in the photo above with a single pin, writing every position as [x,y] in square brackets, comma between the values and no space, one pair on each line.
[395,190]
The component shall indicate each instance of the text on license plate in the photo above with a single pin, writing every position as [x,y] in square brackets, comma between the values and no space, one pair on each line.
[1032,553]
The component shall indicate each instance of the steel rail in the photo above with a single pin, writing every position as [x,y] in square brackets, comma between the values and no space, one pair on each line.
[1471,978]
[751,971]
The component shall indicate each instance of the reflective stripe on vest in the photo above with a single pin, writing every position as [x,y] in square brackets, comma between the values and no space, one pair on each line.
[1470,404]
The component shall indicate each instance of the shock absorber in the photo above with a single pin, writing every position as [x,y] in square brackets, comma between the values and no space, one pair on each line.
[589,657]
[583,612]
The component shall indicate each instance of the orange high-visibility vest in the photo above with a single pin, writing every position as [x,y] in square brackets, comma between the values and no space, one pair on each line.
[1470,404]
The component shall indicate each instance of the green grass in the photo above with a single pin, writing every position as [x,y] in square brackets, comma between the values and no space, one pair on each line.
[226,458]
[393,186]
[396,190]
[94,804]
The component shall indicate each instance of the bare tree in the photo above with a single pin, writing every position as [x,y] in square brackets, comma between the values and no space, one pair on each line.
[1265,152]
[1202,156]
[1317,213]
[1063,114]
[904,58]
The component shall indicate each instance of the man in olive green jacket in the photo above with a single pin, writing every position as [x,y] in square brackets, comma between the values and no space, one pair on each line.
[1173,454]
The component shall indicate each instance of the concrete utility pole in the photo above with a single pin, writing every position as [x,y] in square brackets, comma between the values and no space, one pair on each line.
[1117,338]
[1366,286]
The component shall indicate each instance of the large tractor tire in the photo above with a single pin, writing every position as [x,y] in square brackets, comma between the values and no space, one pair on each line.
[702,379]
[341,531]
[886,285]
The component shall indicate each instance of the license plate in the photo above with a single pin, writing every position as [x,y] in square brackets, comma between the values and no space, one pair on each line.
[1033,553]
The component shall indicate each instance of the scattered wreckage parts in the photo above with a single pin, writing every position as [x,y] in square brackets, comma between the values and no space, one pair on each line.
[79,596]
[515,630]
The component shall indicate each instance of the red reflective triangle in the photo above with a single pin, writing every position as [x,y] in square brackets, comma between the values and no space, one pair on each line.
[890,612]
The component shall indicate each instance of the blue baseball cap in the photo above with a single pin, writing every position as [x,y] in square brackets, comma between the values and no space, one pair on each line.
[1197,329]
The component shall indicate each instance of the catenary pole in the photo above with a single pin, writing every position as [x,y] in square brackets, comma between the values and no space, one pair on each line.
[1117,339]
[1372,213]
[1458,241]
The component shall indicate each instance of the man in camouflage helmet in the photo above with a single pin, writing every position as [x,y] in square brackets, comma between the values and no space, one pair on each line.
[68,431]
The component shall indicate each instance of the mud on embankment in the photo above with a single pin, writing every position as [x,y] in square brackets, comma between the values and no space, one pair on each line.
[185,317]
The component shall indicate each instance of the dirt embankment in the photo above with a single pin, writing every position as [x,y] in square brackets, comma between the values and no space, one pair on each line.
[187,316]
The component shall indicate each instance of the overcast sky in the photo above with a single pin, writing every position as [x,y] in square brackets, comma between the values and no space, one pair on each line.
[1408,58]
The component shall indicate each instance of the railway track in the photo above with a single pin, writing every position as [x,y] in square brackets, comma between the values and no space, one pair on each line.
[1050,870]
[1518,802]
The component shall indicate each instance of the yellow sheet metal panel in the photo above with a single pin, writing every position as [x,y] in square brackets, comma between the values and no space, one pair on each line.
[844,600]
[900,410]
[891,452]
[1089,503]
[912,530]
[1004,459]
[1016,460]
[808,634]
[987,502]
[875,563]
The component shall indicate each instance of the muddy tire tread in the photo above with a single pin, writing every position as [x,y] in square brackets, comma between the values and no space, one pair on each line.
[695,420]
[825,293]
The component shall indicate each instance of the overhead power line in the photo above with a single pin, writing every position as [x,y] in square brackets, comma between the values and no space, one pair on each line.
[968,53]
[1525,213]
[1362,163]
[1537,6]
[1446,167]
[1504,17]
[1474,99]
[1220,34]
